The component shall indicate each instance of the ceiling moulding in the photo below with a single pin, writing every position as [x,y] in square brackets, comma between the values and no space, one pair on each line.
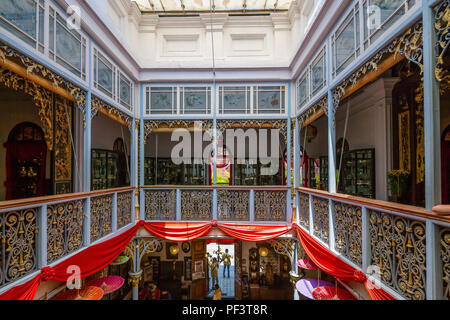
[281,22]
[148,23]
[250,21]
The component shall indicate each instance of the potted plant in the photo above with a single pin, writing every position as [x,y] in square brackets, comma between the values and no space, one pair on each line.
[398,181]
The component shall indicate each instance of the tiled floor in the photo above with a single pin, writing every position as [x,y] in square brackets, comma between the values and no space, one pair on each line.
[225,284]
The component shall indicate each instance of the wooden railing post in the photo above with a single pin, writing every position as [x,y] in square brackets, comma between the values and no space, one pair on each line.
[252,205]
[178,205]
[42,237]
[366,254]
[331,222]
[311,215]
[142,204]
[289,206]
[87,222]
[114,213]
[434,263]
[214,204]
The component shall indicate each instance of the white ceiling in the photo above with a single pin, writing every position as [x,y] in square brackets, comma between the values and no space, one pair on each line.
[204,5]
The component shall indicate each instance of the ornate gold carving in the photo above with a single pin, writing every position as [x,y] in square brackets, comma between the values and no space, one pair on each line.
[223,125]
[160,205]
[233,205]
[409,45]
[38,69]
[63,143]
[445,256]
[42,98]
[304,210]
[322,103]
[98,104]
[134,278]
[64,229]
[18,246]
[285,247]
[270,205]
[348,231]
[398,249]
[196,205]
[124,208]
[137,248]
[442,26]
[101,216]
[321,218]
[150,125]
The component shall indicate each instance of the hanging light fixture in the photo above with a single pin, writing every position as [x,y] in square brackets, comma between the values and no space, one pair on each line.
[174,249]
[263,251]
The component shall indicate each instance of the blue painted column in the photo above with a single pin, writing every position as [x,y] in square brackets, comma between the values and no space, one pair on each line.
[87,145]
[141,158]
[289,139]
[432,126]
[331,144]
[297,154]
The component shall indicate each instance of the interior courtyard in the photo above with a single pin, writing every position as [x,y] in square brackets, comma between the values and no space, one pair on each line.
[224,150]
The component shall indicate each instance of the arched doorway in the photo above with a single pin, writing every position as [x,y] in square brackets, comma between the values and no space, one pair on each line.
[26,153]
[445,166]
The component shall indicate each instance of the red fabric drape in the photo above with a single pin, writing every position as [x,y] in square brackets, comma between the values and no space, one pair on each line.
[253,233]
[178,231]
[334,266]
[90,261]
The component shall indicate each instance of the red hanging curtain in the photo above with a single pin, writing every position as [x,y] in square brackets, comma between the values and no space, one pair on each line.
[334,266]
[253,233]
[90,261]
[178,231]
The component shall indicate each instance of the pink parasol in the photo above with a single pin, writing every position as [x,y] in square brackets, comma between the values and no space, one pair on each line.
[108,284]
[307,264]
[85,293]
[329,293]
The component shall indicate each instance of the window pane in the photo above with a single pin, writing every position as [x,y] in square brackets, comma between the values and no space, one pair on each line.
[68,49]
[235,100]
[105,75]
[195,100]
[268,100]
[125,92]
[161,100]
[345,43]
[303,90]
[22,15]
[317,74]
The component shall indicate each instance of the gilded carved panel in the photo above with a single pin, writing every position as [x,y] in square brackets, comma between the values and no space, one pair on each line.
[196,205]
[304,210]
[124,209]
[160,205]
[63,147]
[348,231]
[64,229]
[270,205]
[101,217]
[18,232]
[321,218]
[398,249]
[233,205]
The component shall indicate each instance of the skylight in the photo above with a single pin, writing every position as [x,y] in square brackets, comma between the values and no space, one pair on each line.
[241,6]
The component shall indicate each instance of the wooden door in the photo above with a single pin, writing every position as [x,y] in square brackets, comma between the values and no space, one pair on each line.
[199,287]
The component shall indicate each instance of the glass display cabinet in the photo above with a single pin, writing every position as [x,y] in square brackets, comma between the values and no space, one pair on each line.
[358,173]
[104,173]
[149,171]
[245,174]
[195,174]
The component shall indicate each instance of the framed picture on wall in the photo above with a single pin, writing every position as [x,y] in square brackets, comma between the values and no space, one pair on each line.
[186,247]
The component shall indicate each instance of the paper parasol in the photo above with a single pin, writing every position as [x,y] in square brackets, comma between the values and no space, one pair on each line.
[329,293]
[306,286]
[120,260]
[108,284]
[85,293]
[307,264]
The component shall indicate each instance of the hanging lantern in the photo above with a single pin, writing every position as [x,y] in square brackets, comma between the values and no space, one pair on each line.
[174,250]
[263,251]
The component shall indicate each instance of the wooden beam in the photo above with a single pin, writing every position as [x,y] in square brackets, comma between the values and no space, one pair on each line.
[319,113]
[21,71]
[112,117]
[384,66]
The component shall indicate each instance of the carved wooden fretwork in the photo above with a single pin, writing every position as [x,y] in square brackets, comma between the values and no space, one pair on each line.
[32,67]
[442,28]
[150,125]
[223,125]
[98,104]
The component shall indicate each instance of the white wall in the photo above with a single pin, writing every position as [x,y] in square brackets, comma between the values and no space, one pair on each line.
[105,131]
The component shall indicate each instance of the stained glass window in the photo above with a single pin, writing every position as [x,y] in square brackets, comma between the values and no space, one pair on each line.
[195,100]
[234,100]
[318,73]
[161,100]
[303,89]
[104,74]
[125,94]
[269,99]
